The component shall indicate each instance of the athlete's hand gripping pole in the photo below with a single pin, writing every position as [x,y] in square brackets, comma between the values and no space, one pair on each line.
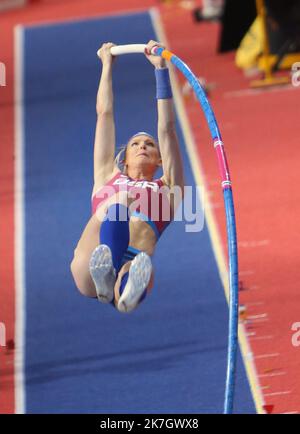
[118,50]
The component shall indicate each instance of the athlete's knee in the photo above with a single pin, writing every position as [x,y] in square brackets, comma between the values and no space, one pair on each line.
[82,277]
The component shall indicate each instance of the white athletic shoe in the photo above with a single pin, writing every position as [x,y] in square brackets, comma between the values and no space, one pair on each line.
[138,280]
[103,273]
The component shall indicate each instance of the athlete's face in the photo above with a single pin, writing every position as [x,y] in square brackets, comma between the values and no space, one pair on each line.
[142,150]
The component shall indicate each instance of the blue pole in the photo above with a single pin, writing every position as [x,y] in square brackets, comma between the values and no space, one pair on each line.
[230,224]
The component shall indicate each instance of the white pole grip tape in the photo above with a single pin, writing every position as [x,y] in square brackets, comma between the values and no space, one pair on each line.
[127,49]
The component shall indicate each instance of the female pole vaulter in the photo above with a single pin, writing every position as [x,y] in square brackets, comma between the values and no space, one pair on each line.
[112,260]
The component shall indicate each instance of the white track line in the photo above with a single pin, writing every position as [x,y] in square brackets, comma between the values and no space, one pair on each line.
[274,374]
[19,223]
[287,392]
[265,356]
[256,92]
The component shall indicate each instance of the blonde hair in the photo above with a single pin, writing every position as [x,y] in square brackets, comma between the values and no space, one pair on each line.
[120,159]
[121,155]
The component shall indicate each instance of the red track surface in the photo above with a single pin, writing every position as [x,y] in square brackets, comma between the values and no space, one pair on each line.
[7,293]
[260,132]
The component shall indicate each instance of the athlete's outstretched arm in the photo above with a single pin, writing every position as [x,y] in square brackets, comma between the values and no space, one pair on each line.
[169,146]
[167,137]
[104,147]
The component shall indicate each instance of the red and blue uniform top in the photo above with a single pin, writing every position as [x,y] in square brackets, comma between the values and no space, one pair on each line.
[149,200]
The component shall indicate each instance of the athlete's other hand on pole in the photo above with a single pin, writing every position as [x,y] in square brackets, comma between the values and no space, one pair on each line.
[156,61]
[105,55]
